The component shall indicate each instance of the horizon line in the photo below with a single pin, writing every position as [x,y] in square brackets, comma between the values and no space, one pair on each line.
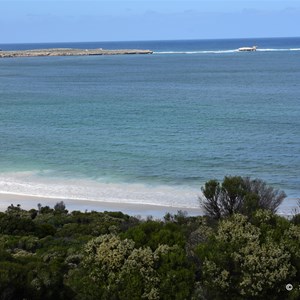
[158,40]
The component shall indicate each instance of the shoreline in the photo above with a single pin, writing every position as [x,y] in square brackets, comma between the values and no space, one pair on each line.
[143,210]
[69,52]
[133,209]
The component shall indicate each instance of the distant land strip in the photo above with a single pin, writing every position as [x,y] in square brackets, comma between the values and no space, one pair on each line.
[69,52]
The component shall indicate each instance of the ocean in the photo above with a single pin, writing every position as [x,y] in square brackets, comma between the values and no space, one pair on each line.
[150,129]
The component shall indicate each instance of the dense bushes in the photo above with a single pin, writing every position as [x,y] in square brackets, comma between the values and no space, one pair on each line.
[244,260]
[91,255]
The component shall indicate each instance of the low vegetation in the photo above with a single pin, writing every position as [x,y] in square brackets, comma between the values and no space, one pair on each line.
[242,250]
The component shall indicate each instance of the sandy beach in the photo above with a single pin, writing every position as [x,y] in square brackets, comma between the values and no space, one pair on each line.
[143,210]
[287,208]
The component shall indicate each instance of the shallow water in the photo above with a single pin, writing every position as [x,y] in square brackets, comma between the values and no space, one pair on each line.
[154,128]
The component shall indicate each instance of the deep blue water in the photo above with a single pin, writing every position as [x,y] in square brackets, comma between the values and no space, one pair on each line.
[192,111]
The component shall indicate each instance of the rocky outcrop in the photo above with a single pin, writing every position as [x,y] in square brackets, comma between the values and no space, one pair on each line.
[70,52]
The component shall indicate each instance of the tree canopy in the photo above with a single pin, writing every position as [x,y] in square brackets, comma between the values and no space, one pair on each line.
[238,194]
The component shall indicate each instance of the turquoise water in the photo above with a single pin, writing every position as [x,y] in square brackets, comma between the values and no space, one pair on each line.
[153,128]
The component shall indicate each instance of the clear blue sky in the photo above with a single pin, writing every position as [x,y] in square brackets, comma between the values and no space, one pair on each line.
[68,20]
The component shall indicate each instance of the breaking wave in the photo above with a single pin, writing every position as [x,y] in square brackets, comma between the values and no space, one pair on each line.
[32,184]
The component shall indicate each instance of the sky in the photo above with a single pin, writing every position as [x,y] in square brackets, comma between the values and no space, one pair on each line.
[90,20]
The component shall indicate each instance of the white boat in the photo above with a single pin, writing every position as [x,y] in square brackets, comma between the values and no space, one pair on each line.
[248,48]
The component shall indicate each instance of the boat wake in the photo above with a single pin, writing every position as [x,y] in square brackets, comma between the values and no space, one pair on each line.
[225,51]
[277,50]
[196,52]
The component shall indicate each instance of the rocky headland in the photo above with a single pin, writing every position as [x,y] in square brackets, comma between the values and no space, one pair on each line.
[70,52]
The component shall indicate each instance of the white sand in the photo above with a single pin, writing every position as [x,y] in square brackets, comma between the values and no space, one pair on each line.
[143,210]
[289,207]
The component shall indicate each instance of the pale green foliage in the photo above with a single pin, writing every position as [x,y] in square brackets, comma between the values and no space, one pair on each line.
[114,263]
[161,250]
[237,231]
[262,267]
[216,276]
[249,265]
[42,279]
[263,216]
[292,239]
[109,251]
[141,261]
[22,253]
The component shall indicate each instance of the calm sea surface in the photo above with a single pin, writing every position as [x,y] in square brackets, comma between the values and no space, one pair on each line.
[150,128]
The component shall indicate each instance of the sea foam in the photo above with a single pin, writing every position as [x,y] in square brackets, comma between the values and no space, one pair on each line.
[181,197]
[226,51]
[197,52]
[30,184]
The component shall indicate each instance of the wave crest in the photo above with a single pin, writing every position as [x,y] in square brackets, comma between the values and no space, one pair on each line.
[31,184]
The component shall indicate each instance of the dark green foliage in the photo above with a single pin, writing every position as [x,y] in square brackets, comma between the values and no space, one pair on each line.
[154,233]
[268,197]
[52,254]
[250,204]
[43,230]
[16,222]
[45,210]
[296,219]
[211,204]
[60,208]
[12,280]
[239,195]
[177,275]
